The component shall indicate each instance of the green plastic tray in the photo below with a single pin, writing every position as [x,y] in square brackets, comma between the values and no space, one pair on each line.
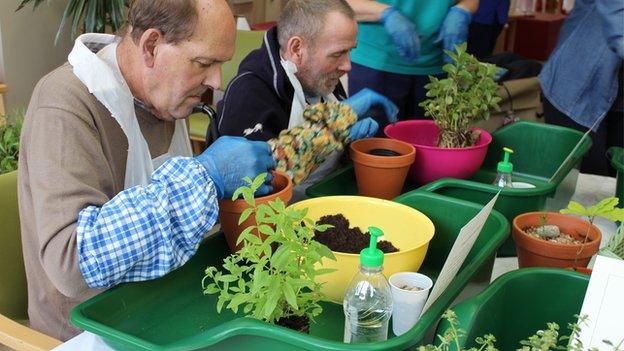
[520,303]
[539,150]
[616,155]
[171,313]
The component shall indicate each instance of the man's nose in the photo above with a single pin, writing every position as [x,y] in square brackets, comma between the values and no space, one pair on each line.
[213,78]
[345,65]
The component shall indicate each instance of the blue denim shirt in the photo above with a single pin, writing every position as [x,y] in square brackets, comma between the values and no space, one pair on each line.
[580,77]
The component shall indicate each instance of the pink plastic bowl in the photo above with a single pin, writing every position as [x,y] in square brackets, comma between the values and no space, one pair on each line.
[432,162]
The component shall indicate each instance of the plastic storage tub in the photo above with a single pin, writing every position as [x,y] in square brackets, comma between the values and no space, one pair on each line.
[520,303]
[616,155]
[171,313]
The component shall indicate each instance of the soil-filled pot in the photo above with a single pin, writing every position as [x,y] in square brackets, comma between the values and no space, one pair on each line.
[381,166]
[230,211]
[535,252]
[433,162]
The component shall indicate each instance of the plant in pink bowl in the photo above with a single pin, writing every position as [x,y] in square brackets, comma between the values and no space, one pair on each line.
[448,146]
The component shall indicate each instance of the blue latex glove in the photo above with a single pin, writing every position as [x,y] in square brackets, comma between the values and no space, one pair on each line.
[366,99]
[230,159]
[454,29]
[365,128]
[402,32]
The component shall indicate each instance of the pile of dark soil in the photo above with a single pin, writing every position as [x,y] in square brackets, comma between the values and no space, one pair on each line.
[341,238]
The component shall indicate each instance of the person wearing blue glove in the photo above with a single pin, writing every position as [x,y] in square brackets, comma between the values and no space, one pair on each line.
[402,31]
[454,29]
[367,103]
[364,128]
[299,64]
[253,157]
[401,43]
[108,189]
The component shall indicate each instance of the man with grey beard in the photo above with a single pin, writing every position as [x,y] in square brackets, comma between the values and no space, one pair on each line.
[300,63]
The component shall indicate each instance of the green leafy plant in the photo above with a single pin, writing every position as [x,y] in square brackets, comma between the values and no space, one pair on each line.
[615,247]
[606,208]
[272,278]
[88,15]
[542,340]
[463,98]
[10,129]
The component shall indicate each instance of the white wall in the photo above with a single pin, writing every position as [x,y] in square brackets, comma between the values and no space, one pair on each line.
[27,50]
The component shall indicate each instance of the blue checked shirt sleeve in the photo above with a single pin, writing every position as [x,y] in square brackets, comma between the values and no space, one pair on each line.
[147,231]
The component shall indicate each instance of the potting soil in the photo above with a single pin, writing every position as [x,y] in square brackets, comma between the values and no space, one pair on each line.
[342,238]
[300,150]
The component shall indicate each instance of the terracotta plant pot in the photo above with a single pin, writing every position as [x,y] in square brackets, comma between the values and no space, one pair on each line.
[534,252]
[381,176]
[230,211]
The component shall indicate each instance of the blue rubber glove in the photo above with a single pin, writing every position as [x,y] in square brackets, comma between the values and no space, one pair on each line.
[366,99]
[230,159]
[402,32]
[454,29]
[365,128]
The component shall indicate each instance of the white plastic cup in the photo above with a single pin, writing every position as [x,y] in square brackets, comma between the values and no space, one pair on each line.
[408,304]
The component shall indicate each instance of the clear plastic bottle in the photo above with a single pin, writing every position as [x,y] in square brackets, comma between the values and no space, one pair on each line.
[504,170]
[367,303]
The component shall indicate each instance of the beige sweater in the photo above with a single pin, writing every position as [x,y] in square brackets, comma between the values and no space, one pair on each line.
[73,154]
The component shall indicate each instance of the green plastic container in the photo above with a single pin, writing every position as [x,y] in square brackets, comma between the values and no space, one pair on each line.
[539,151]
[616,155]
[171,313]
[520,303]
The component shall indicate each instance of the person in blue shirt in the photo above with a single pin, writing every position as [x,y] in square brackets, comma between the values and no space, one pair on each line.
[401,42]
[487,24]
[108,189]
[582,79]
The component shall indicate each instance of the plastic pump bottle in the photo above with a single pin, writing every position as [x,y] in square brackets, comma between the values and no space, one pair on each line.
[504,169]
[368,301]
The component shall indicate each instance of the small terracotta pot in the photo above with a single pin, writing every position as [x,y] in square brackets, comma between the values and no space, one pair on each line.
[381,176]
[230,211]
[534,252]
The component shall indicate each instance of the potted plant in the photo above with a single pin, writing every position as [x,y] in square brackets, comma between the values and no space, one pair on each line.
[448,146]
[272,279]
[560,240]
[90,16]
[10,129]
[381,166]
[233,213]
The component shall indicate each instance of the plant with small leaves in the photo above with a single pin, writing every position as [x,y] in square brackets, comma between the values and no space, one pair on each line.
[542,340]
[615,247]
[543,219]
[272,278]
[88,15]
[466,96]
[452,336]
[10,129]
[607,208]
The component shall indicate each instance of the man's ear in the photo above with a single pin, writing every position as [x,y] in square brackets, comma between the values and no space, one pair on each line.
[148,43]
[295,49]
